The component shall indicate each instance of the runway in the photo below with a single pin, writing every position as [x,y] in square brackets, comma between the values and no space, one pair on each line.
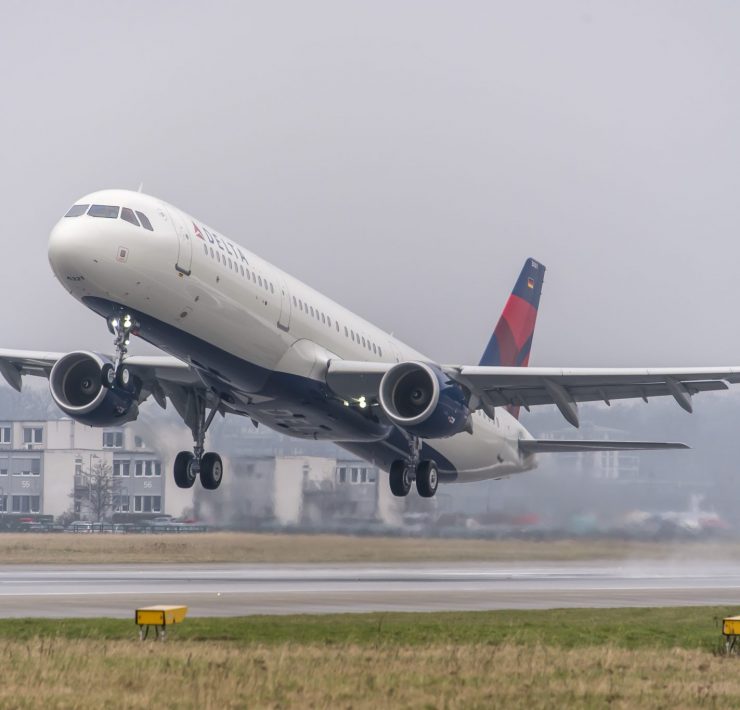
[232,590]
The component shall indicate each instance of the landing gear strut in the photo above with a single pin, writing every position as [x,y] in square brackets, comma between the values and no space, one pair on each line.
[117,374]
[188,466]
[404,472]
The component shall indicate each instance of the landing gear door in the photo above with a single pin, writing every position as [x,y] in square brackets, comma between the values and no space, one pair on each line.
[285,307]
[184,241]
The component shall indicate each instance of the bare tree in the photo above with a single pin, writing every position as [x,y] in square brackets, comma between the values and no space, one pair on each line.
[96,490]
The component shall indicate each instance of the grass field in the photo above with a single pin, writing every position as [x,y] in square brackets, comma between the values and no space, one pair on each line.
[252,547]
[621,658]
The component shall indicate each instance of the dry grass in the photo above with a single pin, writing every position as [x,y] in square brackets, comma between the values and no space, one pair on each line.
[253,547]
[45,673]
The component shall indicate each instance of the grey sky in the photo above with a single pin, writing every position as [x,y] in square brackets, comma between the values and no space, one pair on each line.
[402,157]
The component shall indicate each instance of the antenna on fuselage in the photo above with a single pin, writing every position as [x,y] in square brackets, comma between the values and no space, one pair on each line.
[141,187]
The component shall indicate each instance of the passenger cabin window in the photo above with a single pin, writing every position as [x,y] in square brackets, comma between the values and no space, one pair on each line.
[144,221]
[107,211]
[76,210]
[128,214]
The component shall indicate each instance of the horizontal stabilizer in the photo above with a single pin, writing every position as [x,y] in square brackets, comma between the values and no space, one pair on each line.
[555,446]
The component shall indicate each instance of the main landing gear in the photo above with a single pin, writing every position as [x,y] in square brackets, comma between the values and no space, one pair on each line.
[190,465]
[404,472]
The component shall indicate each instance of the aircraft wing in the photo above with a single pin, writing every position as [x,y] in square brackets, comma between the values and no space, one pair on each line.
[16,363]
[163,377]
[492,387]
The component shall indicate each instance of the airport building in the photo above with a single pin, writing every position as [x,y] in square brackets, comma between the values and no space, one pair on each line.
[57,467]
[53,467]
[300,491]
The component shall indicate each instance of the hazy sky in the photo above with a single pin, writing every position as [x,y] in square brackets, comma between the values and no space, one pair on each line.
[402,157]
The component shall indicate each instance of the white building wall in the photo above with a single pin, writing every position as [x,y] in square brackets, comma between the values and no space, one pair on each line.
[289,477]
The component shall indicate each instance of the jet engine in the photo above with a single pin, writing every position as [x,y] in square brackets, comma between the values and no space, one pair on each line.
[421,399]
[76,384]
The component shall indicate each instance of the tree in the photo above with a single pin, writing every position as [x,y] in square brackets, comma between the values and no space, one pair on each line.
[96,489]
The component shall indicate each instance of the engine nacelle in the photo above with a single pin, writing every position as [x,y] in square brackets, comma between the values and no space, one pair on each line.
[76,385]
[421,399]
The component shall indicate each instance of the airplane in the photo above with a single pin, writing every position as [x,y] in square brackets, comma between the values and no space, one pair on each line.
[243,337]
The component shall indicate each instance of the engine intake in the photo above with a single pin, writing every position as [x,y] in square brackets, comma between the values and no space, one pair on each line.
[421,399]
[76,385]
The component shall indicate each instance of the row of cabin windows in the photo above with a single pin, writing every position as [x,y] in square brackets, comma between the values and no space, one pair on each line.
[297,302]
[348,332]
[138,219]
[21,504]
[239,268]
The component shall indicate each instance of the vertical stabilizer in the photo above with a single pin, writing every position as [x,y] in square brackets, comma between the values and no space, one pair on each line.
[511,341]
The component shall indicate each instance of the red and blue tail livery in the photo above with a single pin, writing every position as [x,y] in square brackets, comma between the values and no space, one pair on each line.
[512,339]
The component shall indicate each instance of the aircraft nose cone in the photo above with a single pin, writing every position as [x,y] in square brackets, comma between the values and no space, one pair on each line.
[69,241]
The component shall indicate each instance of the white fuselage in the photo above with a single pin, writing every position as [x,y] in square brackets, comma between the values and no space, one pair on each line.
[197,284]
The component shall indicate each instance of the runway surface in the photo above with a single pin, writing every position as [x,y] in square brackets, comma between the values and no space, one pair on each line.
[231,590]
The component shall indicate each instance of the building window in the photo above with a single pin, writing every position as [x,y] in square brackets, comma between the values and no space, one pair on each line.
[26,504]
[355,475]
[78,466]
[112,439]
[121,504]
[156,504]
[157,468]
[3,504]
[139,443]
[27,467]
[371,475]
[137,504]
[5,435]
[122,468]
[139,471]
[33,435]
[342,475]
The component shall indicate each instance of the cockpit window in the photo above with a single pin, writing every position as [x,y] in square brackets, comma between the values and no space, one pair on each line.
[144,221]
[108,211]
[128,214]
[76,210]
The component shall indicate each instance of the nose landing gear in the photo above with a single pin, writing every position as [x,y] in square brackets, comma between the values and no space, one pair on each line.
[189,466]
[116,373]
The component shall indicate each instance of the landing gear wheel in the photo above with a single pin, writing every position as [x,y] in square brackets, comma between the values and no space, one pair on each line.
[427,479]
[108,375]
[185,473]
[123,376]
[211,471]
[400,479]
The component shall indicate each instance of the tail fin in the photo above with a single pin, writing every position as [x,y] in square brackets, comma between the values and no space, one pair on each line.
[511,341]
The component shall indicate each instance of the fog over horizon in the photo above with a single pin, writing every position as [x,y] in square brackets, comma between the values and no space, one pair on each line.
[404,158]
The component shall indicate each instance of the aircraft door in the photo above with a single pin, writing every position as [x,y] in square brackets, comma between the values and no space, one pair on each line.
[185,243]
[285,307]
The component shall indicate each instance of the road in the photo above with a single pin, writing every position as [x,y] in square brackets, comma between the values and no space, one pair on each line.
[229,590]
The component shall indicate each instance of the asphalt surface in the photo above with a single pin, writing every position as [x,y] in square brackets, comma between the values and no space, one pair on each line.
[232,590]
